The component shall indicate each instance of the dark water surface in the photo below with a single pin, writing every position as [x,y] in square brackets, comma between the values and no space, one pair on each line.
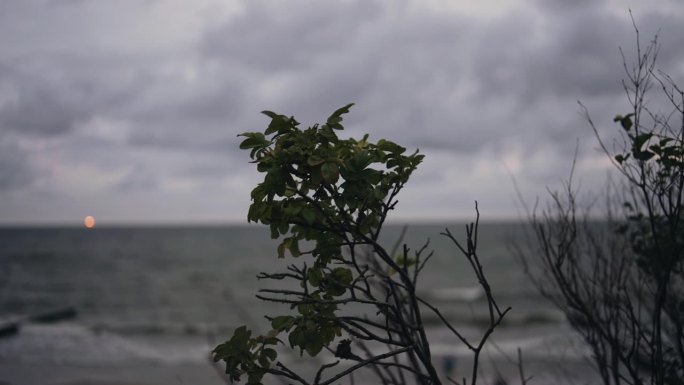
[159,293]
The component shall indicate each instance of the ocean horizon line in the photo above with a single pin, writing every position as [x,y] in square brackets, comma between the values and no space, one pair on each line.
[229,223]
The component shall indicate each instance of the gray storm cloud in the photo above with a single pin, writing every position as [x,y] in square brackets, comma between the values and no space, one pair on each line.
[133,108]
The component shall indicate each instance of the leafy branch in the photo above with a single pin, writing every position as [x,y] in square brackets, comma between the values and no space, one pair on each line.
[333,195]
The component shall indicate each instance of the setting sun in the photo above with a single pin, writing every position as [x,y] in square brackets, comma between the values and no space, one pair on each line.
[89,221]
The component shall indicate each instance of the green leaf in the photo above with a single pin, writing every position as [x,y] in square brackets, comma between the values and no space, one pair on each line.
[258,193]
[342,275]
[361,160]
[242,333]
[274,232]
[293,209]
[625,121]
[337,281]
[254,139]
[270,354]
[314,344]
[271,114]
[391,147]
[279,123]
[641,139]
[379,193]
[330,172]
[309,215]
[295,337]
[403,261]
[336,118]
[294,248]
[314,160]
[314,277]
[281,250]
[643,155]
[291,244]
[254,378]
[254,213]
[328,134]
[305,309]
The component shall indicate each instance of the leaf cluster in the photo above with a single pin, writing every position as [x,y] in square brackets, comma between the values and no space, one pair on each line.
[314,181]
[664,149]
[328,197]
[242,353]
[653,162]
[323,192]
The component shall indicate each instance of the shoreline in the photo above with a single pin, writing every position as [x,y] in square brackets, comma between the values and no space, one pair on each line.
[67,353]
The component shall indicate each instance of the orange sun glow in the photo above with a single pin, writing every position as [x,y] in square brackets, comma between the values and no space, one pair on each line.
[89,221]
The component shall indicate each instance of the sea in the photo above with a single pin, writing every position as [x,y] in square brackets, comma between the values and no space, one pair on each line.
[138,296]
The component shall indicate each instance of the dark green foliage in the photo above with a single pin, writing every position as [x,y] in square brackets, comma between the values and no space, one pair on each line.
[244,354]
[327,198]
[329,192]
[315,181]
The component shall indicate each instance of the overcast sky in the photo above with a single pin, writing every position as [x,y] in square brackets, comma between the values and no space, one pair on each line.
[130,110]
